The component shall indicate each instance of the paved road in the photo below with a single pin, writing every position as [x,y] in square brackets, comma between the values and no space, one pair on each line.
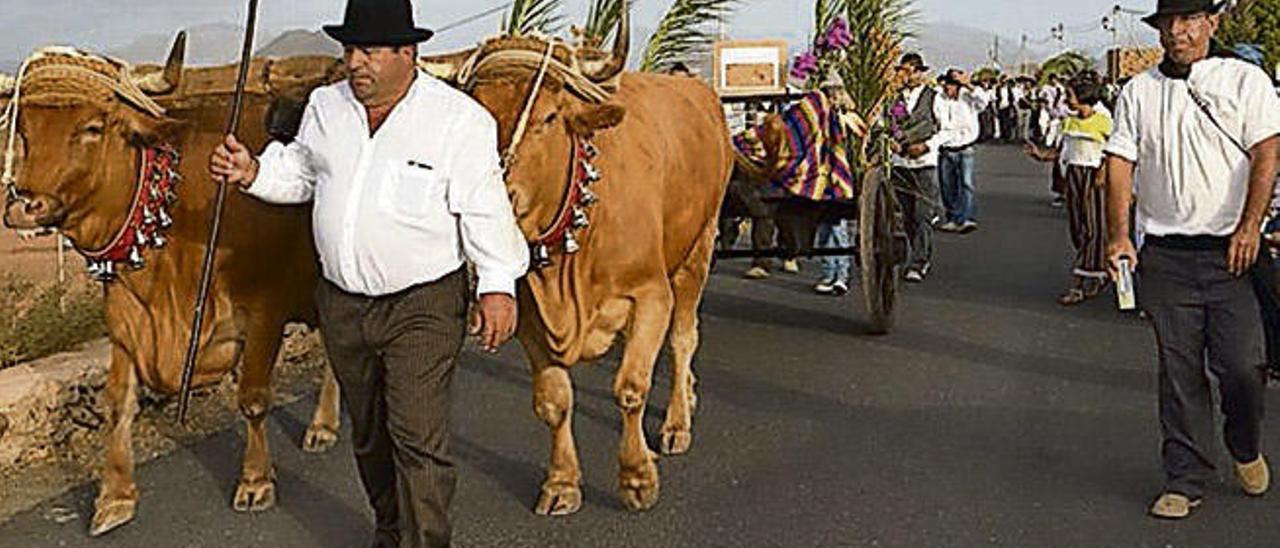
[990,417]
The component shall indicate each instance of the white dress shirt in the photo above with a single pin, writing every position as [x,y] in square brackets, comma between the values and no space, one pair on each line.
[1190,178]
[958,118]
[406,205]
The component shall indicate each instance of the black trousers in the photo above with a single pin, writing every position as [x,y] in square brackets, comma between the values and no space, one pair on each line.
[1207,322]
[394,359]
[918,192]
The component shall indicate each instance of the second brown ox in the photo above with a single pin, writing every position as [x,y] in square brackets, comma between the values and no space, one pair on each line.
[642,262]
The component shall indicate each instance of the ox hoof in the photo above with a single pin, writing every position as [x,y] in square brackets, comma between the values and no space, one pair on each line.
[319,439]
[638,488]
[559,499]
[676,441]
[110,515]
[254,496]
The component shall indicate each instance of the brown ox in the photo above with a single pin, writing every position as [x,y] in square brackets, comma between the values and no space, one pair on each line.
[79,171]
[665,157]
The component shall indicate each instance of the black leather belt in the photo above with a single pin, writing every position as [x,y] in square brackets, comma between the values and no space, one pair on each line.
[1191,243]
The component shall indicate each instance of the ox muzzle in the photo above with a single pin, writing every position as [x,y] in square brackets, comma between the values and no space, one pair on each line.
[30,211]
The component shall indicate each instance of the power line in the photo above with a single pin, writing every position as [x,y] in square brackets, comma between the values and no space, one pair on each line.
[473,18]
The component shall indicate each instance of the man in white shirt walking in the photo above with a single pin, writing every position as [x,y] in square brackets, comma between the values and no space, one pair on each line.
[406,183]
[958,129]
[1196,138]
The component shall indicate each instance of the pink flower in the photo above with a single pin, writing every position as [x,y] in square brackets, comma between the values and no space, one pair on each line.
[804,65]
[838,36]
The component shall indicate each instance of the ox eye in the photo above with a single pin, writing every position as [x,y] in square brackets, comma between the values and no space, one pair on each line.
[93,130]
[550,118]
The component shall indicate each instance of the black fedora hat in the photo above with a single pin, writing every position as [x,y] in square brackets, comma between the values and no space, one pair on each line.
[378,23]
[1182,7]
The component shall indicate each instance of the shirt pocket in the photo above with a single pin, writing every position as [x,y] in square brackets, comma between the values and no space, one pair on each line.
[415,194]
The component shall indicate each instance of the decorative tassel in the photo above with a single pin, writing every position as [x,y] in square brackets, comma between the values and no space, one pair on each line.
[588,198]
[158,241]
[591,150]
[593,174]
[570,243]
[165,220]
[140,238]
[580,219]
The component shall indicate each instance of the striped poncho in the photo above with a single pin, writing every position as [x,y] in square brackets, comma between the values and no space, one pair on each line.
[814,160]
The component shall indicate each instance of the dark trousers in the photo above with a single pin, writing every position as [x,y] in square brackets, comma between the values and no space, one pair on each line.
[1206,322]
[917,191]
[1087,221]
[394,359]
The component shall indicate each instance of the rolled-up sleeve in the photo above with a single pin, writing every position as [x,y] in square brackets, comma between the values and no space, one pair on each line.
[1262,108]
[477,194]
[1124,136]
[285,172]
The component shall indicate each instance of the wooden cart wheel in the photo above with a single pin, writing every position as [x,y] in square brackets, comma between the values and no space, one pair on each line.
[881,267]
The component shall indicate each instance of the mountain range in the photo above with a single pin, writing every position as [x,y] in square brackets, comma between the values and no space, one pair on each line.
[943,45]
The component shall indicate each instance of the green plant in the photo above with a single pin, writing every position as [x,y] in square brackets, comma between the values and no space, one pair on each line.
[602,21]
[1065,65]
[683,32]
[44,320]
[533,16]
[1255,22]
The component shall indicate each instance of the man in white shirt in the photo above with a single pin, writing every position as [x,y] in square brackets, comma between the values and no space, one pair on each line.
[914,119]
[406,182]
[958,129]
[1196,138]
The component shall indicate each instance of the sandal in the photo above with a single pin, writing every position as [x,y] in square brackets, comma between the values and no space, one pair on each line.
[1072,297]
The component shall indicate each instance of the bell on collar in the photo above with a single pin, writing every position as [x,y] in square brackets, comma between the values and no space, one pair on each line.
[154,191]
[140,238]
[593,174]
[591,150]
[135,258]
[540,256]
[580,219]
[102,271]
[158,241]
[588,198]
[571,244]
[165,220]
[148,218]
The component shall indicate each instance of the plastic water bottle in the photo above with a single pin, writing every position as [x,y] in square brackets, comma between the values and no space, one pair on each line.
[1124,287]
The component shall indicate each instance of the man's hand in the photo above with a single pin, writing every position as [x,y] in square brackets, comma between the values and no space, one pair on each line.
[895,146]
[1244,249]
[494,320]
[232,163]
[1122,249]
[917,150]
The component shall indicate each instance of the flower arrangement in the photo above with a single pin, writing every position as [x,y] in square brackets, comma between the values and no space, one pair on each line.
[827,48]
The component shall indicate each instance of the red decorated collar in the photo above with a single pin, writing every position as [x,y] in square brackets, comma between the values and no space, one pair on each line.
[148,216]
[571,217]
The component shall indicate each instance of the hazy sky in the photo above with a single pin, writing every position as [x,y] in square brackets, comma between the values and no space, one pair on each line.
[104,24]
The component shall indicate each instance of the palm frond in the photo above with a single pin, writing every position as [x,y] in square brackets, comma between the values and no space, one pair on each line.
[1066,65]
[684,32]
[530,16]
[602,21]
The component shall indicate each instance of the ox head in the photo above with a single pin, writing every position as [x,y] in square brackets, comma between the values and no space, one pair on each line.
[537,166]
[81,120]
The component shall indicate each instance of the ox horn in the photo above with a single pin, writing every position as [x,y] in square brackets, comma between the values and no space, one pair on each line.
[167,80]
[446,66]
[605,69]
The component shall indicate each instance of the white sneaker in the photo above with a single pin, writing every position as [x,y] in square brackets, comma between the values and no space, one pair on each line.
[949,226]
[756,273]
[968,226]
[791,266]
[839,288]
[825,287]
[914,276]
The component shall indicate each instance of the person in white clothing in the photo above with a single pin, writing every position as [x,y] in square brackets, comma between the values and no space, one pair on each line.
[1196,139]
[957,111]
[913,120]
[406,182]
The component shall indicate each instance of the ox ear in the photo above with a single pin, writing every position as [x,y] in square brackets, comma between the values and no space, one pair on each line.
[149,131]
[587,121]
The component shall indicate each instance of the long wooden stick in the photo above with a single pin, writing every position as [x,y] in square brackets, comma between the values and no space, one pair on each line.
[206,274]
